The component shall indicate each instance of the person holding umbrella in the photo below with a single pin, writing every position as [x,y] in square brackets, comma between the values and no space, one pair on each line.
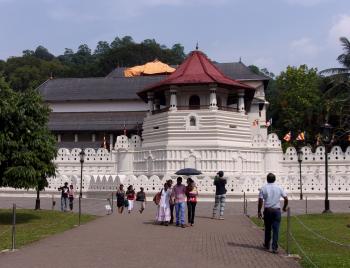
[220,194]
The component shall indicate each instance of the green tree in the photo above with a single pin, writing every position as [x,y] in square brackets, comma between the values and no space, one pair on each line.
[341,73]
[102,48]
[42,53]
[336,95]
[298,102]
[27,147]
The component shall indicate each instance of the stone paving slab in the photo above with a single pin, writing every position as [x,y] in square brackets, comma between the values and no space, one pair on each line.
[134,241]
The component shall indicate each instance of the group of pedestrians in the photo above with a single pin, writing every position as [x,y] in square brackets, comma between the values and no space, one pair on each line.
[67,195]
[126,199]
[176,196]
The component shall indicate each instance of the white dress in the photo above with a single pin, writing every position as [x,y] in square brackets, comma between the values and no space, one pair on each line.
[164,206]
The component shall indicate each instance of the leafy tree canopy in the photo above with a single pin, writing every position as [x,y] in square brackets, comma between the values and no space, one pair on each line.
[27,147]
[34,67]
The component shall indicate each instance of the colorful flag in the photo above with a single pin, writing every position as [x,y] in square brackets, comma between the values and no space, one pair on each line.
[318,139]
[288,136]
[301,136]
[269,123]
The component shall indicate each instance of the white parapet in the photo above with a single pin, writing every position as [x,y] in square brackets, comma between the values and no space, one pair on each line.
[245,167]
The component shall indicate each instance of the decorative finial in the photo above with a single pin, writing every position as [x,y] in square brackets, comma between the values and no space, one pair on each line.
[197,46]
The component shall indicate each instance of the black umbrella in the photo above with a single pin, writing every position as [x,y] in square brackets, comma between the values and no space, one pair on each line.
[188,172]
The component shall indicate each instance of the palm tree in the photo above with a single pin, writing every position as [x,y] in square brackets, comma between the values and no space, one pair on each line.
[336,91]
[341,73]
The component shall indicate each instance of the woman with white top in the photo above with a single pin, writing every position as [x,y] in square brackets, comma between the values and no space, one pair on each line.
[163,215]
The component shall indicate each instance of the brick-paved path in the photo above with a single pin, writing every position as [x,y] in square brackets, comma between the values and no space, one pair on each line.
[134,241]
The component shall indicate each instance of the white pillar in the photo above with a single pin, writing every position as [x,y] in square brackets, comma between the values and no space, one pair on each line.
[150,102]
[76,138]
[213,101]
[173,100]
[241,107]
[93,137]
[110,142]
[59,138]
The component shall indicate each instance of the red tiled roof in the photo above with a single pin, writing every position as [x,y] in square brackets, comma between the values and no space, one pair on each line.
[198,69]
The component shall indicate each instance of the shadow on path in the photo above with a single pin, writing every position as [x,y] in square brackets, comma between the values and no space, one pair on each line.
[233,244]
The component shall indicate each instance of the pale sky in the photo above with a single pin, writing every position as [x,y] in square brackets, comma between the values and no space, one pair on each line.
[267,33]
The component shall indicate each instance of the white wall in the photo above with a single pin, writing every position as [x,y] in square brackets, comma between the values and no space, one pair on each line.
[245,170]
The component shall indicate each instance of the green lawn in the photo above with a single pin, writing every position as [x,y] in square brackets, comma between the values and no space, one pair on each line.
[33,225]
[321,252]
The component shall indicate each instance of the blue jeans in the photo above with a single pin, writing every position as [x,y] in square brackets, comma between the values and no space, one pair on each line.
[219,203]
[64,203]
[272,220]
[180,213]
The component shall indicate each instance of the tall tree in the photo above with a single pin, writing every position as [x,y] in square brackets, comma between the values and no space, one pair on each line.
[336,95]
[27,147]
[297,104]
[341,73]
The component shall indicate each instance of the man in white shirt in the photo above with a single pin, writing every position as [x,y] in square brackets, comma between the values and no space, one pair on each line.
[270,195]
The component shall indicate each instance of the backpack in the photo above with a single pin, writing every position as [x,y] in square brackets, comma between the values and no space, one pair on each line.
[157,197]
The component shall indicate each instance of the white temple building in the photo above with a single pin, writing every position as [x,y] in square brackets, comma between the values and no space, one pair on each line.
[197,117]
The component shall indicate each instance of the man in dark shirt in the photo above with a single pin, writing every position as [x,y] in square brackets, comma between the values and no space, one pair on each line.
[64,196]
[220,194]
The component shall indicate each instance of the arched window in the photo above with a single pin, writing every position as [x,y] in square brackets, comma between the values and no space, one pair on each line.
[194,102]
[193,121]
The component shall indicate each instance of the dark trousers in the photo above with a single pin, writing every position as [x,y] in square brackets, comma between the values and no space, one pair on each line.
[172,213]
[71,199]
[191,210]
[272,220]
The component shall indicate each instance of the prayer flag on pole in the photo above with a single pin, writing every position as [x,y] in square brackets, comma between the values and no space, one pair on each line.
[301,136]
[288,136]
[318,139]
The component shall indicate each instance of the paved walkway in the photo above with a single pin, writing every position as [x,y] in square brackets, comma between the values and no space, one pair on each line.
[96,206]
[134,241]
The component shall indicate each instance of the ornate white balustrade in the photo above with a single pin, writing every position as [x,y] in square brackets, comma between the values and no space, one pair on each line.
[246,169]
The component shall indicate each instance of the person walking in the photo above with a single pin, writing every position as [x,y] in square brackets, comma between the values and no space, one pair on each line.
[71,197]
[130,196]
[172,205]
[270,195]
[191,193]
[64,196]
[141,199]
[163,213]
[120,194]
[220,194]
[179,196]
